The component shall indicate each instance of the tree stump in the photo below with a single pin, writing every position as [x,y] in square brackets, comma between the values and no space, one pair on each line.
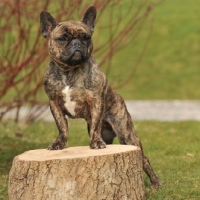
[78,173]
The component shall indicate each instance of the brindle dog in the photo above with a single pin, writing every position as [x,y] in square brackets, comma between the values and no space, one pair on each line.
[77,88]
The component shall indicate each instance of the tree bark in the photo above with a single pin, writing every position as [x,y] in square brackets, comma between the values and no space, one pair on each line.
[78,173]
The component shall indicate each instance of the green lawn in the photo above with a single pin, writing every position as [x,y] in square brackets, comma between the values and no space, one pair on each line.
[173,149]
[170,66]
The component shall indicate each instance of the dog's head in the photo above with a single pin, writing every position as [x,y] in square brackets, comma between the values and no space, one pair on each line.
[69,43]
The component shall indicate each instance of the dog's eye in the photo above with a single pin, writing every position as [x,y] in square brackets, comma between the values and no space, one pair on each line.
[86,37]
[61,39]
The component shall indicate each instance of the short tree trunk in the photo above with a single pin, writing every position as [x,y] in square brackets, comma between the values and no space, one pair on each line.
[78,173]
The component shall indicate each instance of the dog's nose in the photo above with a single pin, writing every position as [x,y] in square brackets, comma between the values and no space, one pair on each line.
[76,43]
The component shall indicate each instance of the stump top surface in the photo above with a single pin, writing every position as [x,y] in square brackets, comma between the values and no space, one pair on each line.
[74,152]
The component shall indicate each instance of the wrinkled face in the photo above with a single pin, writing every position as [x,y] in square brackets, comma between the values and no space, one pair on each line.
[70,42]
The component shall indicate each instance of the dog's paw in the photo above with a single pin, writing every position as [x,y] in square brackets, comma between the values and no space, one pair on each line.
[56,146]
[156,186]
[97,144]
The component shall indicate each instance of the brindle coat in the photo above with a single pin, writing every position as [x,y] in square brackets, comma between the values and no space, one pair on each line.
[77,88]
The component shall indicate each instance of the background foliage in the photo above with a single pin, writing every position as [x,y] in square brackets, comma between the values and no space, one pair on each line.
[24,55]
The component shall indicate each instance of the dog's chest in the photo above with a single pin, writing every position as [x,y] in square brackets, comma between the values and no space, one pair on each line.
[68,103]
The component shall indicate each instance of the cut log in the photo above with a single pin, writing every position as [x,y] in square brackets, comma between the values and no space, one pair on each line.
[78,173]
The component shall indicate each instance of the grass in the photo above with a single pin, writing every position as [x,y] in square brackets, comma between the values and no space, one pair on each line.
[173,149]
[170,66]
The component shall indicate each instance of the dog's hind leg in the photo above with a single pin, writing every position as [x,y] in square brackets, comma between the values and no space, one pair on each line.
[107,133]
[126,134]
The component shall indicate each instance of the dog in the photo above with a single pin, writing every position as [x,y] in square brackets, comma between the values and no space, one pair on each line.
[77,88]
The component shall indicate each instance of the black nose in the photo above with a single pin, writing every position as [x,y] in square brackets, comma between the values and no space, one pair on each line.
[76,43]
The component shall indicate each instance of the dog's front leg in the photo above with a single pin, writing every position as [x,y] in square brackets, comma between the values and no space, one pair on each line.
[62,126]
[97,110]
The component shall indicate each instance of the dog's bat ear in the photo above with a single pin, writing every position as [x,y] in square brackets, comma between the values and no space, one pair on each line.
[47,23]
[90,17]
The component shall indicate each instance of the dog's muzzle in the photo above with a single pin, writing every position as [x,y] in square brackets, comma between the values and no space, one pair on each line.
[76,45]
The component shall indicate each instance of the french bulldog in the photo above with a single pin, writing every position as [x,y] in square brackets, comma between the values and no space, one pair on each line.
[78,89]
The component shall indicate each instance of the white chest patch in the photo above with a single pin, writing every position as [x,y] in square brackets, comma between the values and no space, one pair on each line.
[69,105]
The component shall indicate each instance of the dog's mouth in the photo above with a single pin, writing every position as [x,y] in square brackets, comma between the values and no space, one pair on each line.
[74,53]
[77,58]
[77,55]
